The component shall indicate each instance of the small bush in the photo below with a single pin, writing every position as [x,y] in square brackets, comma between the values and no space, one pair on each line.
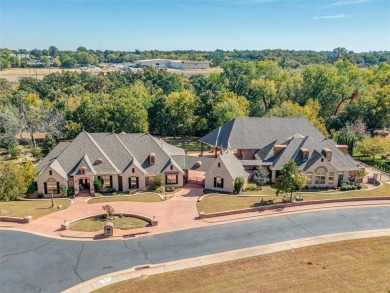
[37,153]
[70,192]
[120,216]
[41,195]
[170,189]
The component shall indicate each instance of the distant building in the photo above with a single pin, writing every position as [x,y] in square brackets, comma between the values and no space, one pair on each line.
[21,56]
[173,64]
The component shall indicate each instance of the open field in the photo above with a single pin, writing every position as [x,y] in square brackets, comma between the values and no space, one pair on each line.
[34,208]
[190,144]
[147,197]
[14,74]
[93,225]
[219,203]
[348,266]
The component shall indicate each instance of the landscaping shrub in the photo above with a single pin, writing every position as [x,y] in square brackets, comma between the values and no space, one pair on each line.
[238,185]
[170,189]
[97,184]
[350,186]
[70,192]
[250,187]
[37,153]
[41,195]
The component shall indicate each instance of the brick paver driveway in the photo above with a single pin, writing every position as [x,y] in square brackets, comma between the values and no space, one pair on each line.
[176,213]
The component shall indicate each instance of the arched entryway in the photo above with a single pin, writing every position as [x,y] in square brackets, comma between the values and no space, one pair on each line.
[84,185]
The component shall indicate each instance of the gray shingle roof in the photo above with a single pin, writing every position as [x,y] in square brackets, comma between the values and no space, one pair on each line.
[314,145]
[233,165]
[189,162]
[255,133]
[117,152]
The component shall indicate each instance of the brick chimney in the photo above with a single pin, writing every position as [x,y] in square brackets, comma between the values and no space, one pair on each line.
[343,148]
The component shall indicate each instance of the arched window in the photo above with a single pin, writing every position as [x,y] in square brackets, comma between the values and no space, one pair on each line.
[320,175]
[51,186]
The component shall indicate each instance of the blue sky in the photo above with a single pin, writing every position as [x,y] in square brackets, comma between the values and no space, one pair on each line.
[358,25]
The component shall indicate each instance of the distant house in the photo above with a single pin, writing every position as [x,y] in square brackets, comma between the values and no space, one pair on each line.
[123,162]
[271,143]
[173,64]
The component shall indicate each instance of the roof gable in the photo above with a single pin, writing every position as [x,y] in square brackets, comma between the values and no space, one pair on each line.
[255,133]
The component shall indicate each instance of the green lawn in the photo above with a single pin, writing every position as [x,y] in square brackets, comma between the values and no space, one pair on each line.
[190,144]
[140,197]
[265,190]
[219,203]
[93,225]
[347,266]
[34,208]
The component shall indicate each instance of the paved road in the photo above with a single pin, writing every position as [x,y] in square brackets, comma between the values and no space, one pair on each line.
[30,263]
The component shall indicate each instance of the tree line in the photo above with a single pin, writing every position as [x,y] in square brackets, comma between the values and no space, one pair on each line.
[285,58]
[340,99]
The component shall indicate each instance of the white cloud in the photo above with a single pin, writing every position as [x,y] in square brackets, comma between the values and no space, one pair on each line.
[347,2]
[329,16]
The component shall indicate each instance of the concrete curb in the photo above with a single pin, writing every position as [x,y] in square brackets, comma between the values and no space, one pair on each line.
[218,222]
[153,269]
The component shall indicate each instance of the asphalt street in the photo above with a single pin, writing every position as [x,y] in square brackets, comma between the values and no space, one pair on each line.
[30,263]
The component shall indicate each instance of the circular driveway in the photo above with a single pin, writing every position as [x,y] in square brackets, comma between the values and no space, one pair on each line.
[31,263]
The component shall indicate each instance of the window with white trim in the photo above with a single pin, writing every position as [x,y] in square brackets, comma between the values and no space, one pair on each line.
[51,184]
[331,178]
[171,179]
[320,175]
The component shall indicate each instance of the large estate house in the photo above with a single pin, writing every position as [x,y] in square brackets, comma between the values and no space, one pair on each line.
[272,142]
[131,161]
[123,162]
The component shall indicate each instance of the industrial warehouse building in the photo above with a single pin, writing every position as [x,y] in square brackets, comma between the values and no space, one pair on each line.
[173,64]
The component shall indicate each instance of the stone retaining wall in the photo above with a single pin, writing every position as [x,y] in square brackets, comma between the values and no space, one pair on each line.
[285,205]
[24,220]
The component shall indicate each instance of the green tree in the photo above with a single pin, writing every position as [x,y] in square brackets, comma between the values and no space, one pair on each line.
[15,179]
[53,51]
[372,146]
[48,144]
[261,176]
[179,108]
[13,149]
[285,182]
[300,180]
[230,106]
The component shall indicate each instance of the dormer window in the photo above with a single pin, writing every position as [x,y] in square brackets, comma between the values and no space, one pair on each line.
[327,153]
[305,154]
[132,170]
[278,148]
[50,173]
[152,158]
[83,170]
[171,167]
[98,161]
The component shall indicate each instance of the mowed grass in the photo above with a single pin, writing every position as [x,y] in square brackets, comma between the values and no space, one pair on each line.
[219,203]
[147,197]
[190,144]
[34,208]
[383,190]
[93,225]
[348,266]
